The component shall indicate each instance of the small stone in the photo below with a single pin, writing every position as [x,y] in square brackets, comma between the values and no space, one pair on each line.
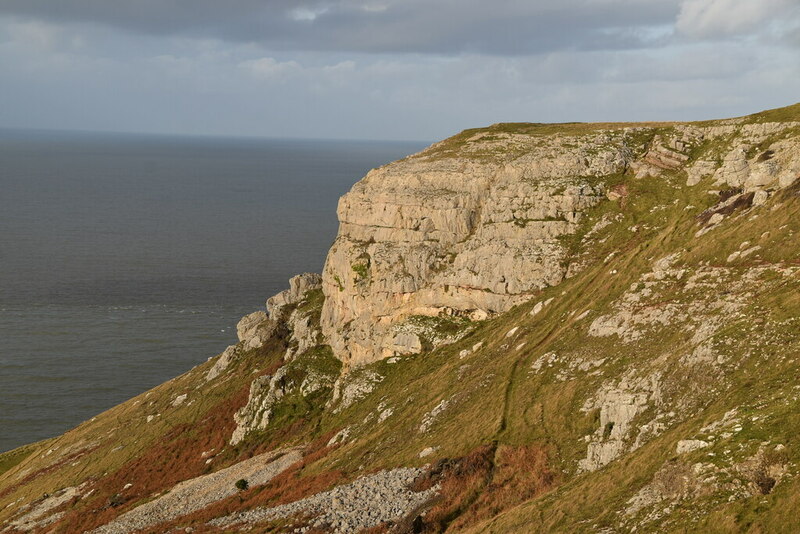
[750,251]
[427,451]
[760,198]
[479,315]
[689,445]
[540,306]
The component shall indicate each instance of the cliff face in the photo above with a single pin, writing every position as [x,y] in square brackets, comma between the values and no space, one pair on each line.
[473,225]
[466,235]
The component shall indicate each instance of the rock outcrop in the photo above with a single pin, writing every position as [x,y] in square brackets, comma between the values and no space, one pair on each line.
[472,225]
[298,287]
[470,236]
[293,314]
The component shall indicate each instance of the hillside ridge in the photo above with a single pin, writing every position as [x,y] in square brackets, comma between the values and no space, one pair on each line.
[522,328]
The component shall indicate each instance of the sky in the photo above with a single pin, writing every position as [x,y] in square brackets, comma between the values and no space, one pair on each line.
[388,69]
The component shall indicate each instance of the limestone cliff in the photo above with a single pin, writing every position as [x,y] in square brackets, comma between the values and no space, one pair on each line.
[474,225]
[469,235]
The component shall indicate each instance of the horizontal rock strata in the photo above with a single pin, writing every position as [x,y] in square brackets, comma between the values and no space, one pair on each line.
[464,236]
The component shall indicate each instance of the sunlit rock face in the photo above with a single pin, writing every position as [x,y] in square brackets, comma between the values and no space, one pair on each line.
[468,235]
[471,226]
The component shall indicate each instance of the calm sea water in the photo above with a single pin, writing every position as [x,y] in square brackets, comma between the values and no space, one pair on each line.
[125,259]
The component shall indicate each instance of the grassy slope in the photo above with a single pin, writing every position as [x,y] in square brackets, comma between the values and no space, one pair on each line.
[493,398]
[764,377]
[498,400]
[121,444]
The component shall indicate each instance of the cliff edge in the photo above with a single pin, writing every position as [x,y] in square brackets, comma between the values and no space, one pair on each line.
[475,224]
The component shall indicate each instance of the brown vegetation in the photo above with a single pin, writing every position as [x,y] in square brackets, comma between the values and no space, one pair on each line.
[291,485]
[482,484]
[520,474]
[49,469]
[743,202]
[287,487]
[177,456]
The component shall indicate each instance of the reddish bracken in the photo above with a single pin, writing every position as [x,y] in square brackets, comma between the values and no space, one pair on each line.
[484,483]
[287,487]
[176,457]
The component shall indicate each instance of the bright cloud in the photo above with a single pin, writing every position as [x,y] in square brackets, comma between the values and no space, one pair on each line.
[723,18]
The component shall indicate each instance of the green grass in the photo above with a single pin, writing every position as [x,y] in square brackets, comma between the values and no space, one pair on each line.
[14,457]
[784,114]
[361,270]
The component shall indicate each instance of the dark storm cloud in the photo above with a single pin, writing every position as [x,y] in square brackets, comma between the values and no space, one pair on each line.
[504,27]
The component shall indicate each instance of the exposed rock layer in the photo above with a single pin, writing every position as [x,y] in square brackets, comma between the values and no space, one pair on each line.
[473,229]
[459,236]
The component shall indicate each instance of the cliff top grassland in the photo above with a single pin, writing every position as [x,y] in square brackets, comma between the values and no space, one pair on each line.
[597,329]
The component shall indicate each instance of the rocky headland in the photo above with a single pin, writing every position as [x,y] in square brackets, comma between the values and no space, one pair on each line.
[522,328]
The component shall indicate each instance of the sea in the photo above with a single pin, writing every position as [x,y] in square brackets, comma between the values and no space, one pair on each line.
[127,259]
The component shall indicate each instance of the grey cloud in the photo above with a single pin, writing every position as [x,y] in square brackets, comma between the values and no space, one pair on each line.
[384,68]
[792,37]
[719,19]
[501,27]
